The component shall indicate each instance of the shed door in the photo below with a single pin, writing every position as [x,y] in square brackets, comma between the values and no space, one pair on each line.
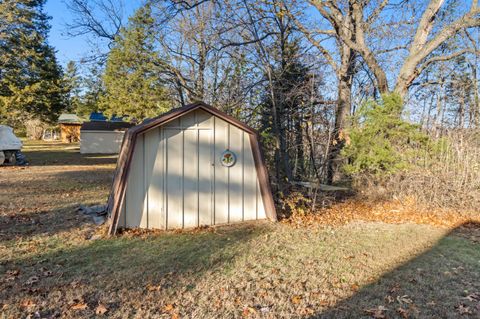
[189,177]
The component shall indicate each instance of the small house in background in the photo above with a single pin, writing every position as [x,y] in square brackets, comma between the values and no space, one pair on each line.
[69,127]
[102,137]
[189,167]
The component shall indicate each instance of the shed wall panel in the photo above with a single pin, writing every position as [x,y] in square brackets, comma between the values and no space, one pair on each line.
[175,123]
[100,142]
[205,176]
[190,178]
[174,178]
[135,194]
[221,208]
[249,181]
[188,120]
[156,197]
[204,119]
[235,181]
[151,149]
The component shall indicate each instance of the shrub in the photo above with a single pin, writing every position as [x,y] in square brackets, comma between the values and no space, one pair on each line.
[389,157]
[379,141]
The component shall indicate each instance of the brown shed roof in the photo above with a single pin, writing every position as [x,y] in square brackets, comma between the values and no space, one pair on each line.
[117,192]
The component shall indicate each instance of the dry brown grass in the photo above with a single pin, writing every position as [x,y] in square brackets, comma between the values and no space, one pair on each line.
[50,268]
[446,178]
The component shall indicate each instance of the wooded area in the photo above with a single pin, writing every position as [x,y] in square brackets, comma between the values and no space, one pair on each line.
[377,94]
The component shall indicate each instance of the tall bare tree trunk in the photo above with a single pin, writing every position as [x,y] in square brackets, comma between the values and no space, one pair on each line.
[475,111]
[300,154]
[344,101]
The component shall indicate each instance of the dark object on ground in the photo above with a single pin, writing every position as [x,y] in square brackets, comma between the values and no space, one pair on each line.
[21,159]
[11,158]
[98,213]
[7,158]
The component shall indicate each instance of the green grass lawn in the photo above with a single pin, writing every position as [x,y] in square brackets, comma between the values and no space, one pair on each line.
[50,268]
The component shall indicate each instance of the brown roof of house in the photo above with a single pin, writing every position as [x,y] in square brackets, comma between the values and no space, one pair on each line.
[105,126]
[117,192]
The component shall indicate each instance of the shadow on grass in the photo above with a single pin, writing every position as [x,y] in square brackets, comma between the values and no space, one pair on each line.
[166,261]
[46,202]
[67,157]
[443,282]
[26,225]
[150,259]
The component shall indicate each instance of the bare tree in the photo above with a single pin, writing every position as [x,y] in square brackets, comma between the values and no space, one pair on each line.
[101,20]
[427,37]
[342,59]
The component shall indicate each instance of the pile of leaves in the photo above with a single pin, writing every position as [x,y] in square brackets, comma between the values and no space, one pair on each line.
[392,212]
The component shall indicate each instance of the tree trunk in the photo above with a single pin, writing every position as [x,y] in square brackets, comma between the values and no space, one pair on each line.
[475,117]
[345,76]
[300,167]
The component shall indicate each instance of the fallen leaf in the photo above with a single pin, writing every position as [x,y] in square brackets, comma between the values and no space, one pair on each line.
[101,309]
[264,309]
[28,303]
[32,280]
[404,299]
[79,306]
[46,272]
[403,312]
[389,299]
[13,272]
[355,287]
[473,297]
[175,316]
[168,308]
[463,310]
[296,299]
[248,310]
[395,288]
[377,313]
[153,287]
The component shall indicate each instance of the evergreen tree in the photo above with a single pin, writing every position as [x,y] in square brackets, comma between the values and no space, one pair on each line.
[30,78]
[286,95]
[73,81]
[93,91]
[132,77]
[380,142]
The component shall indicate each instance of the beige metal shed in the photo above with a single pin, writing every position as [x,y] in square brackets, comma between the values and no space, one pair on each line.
[190,167]
[101,137]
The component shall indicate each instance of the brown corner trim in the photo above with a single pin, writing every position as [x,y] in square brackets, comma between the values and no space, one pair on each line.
[263,178]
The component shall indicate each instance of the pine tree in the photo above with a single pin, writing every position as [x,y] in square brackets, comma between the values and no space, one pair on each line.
[290,79]
[380,142]
[30,77]
[93,91]
[132,78]
[72,82]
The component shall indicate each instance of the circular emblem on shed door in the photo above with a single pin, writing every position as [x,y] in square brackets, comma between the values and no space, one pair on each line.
[228,158]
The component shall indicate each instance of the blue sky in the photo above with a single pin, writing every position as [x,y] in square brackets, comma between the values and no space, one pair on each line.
[70,48]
